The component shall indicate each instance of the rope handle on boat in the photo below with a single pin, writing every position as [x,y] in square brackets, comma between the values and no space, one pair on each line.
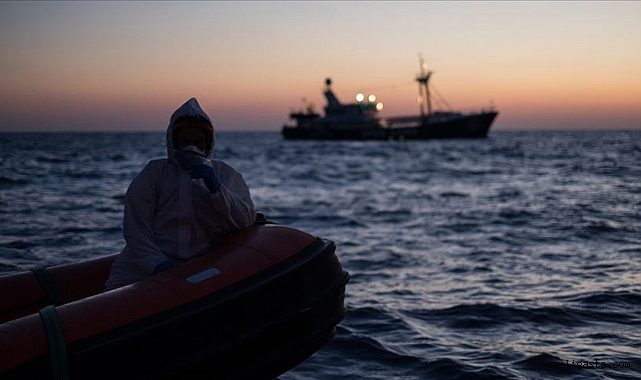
[56,343]
[50,287]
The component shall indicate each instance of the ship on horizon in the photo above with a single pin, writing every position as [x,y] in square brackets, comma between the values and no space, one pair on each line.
[360,121]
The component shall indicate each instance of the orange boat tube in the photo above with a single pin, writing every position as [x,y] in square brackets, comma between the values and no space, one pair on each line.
[265,299]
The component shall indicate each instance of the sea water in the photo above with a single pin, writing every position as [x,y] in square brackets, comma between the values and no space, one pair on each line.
[517,256]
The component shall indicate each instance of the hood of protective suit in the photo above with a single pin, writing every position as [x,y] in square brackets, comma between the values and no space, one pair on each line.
[191,108]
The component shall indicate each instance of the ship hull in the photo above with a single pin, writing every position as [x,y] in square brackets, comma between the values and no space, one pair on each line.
[411,128]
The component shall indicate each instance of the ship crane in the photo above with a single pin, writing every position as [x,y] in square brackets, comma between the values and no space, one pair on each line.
[423,91]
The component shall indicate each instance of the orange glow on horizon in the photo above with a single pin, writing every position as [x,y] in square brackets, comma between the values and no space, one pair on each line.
[105,66]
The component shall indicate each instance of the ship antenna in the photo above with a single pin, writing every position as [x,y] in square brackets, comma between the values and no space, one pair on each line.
[423,91]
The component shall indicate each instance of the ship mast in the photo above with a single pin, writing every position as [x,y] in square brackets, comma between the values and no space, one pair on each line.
[423,91]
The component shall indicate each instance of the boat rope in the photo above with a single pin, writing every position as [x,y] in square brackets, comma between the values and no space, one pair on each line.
[389,86]
[440,99]
[49,285]
[56,343]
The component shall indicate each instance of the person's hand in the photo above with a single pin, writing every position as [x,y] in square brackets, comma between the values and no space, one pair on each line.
[188,160]
[208,174]
[165,265]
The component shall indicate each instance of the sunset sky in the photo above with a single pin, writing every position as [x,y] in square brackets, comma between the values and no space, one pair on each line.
[73,65]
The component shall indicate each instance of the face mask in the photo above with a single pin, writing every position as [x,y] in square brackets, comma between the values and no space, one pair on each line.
[193,149]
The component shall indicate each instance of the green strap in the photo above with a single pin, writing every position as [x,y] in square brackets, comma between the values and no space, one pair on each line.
[56,343]
[49,285]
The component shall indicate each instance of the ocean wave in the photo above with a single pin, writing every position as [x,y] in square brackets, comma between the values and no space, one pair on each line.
[608,299]
[6,182]
[485,315]
[48,158]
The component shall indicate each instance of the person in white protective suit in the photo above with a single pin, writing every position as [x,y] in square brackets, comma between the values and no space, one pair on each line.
[177,207]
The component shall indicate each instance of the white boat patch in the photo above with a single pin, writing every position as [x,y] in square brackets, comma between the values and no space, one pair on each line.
[201,276]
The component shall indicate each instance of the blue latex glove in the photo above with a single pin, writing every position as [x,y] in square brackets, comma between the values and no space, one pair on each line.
[208,174]
[165,265]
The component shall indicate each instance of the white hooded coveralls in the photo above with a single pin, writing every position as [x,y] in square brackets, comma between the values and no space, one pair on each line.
[171,217]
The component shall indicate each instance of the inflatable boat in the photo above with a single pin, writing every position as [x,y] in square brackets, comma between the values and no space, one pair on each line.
[264,300]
